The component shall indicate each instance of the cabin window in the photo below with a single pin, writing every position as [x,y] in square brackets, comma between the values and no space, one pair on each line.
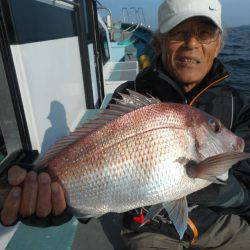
[104,45]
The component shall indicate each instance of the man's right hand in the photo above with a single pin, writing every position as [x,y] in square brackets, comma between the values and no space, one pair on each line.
[32,193]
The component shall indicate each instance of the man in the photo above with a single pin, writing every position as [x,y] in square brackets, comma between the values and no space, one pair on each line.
[188,71]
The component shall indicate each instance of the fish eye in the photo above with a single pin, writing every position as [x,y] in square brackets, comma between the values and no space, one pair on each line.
[214,125]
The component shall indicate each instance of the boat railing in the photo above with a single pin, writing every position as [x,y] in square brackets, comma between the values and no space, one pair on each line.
[134,15]
[131,29]
[109,21]
[131,16]
[116,73]
[141,15]
[125,14]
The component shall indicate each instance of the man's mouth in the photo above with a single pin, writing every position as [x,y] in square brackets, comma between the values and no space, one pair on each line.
[188,60]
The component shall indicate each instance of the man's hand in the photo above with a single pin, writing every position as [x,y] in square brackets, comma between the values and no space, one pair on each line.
[32,193]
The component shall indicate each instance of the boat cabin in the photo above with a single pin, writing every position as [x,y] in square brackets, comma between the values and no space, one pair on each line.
[60,61]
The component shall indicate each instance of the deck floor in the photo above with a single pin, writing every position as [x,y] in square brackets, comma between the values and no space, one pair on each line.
[103,233]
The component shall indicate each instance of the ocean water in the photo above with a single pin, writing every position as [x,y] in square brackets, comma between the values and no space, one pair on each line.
[236,57]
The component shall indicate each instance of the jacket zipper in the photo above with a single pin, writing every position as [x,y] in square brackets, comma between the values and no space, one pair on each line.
[209,86]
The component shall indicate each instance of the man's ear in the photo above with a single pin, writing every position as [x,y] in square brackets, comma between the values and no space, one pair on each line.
[220,45]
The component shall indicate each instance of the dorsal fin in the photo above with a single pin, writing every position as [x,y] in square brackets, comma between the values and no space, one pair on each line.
[142,98]
[125,105]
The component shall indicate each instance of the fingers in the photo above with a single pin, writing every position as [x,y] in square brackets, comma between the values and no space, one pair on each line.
[37,195]
[57,198]
[16,175]
[44,206]
[11,206]
[29,195]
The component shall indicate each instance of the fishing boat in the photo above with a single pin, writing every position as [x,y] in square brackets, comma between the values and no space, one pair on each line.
[60,62]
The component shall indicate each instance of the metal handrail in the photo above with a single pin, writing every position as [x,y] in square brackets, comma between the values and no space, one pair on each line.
[125,10]
[130,27]
[138,16]
[131,31]
[143,16]
[124,20]
[107,9]
[133,8]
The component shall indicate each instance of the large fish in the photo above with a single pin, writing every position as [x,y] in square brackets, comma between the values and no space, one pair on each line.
[142,152]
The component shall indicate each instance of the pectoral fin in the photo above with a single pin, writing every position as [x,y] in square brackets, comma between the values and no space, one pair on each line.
[178,213]
[214,167]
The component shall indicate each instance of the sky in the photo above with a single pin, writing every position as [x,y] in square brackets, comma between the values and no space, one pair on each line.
[234,12]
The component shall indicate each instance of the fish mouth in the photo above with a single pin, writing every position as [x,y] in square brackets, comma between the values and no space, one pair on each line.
[188,60]
[240,145]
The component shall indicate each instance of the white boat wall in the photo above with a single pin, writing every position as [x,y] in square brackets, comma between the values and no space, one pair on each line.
[59,64]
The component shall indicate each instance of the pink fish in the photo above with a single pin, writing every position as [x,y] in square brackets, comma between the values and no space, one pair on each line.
[142,152]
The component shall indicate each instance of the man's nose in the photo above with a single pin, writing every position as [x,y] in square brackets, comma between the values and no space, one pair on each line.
[192,42]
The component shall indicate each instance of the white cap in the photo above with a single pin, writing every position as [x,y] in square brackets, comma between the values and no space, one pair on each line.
[173,12]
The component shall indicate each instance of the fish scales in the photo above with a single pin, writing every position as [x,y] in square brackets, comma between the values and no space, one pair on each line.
[143,158]
[126,126]
[152,156]
[131,155]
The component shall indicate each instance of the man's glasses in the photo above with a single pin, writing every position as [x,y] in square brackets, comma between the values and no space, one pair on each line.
[204,34]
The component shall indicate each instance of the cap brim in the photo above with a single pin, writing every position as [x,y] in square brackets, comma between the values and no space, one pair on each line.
[175,20]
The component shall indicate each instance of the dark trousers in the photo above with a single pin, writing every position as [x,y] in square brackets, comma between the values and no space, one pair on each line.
[230,232]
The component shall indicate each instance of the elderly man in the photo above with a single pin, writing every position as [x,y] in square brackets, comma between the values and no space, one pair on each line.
[187,71]
[189,40]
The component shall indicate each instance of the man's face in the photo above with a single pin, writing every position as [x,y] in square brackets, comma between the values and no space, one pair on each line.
[186,53]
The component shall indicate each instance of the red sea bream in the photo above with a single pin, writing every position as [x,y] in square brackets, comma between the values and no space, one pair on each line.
[142,152]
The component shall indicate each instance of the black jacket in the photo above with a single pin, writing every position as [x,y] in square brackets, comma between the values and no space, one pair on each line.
[222,101]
